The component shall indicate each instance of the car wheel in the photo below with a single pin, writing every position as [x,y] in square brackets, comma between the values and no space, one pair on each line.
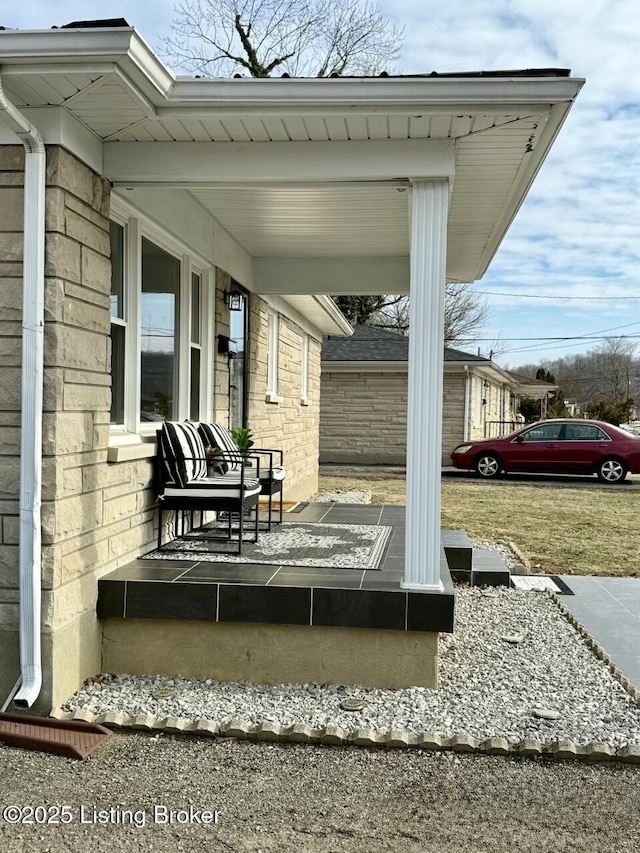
[487,465]
[612,471]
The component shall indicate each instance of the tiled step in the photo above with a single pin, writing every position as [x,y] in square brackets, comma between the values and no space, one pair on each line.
[489,569]
[458,549]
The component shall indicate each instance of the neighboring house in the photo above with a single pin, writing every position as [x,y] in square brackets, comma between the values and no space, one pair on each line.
[363,398]
[535,389]
[134,205]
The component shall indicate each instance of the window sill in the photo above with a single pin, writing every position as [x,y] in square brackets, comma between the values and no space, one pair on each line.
[127,447]
[270,397]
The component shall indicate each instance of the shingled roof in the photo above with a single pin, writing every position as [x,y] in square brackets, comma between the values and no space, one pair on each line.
[371,344]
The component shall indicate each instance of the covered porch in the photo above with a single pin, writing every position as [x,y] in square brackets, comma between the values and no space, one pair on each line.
[348,186]
[295,189]
[250,621]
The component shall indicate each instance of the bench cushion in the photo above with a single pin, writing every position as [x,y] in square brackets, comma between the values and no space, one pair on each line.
[183,452]
[222,486]
[215,435]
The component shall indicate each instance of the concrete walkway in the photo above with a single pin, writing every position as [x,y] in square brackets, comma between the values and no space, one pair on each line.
[609,608]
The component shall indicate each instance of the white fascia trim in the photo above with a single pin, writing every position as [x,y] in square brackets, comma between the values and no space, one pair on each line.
[365,366]
[498,374]
[282,306]
[487,368]
[395,96]
[74,51]
[244,96]
[327,303]
[536,392]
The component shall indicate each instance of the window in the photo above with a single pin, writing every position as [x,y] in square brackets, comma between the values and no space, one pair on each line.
[585,432]
[195,347]
[161,329]
[546,432]
[158,333]
[304,383]
[273,334]
[117,234]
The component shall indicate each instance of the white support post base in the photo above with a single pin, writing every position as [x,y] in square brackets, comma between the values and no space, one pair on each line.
[429,204]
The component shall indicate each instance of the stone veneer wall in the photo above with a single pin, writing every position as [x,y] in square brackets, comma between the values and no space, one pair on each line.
[363,416]
[95,515]
[98,515]
[452,414]
[491,410]
[289,425]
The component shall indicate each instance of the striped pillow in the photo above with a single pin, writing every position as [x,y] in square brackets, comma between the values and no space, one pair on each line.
[215,435]
[183,452]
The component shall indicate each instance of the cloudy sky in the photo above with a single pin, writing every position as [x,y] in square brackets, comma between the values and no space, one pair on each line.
[570,266]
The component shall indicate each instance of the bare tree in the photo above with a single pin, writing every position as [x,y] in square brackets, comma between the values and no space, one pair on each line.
[465,312]
[615,361]
[608,372]
[315,38]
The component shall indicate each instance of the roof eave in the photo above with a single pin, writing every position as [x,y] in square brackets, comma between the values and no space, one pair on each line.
[73,47]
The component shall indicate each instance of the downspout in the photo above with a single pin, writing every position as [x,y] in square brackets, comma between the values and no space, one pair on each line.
[467,398]
[30,555]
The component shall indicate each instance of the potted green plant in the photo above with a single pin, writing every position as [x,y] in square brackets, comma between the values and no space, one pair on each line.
[243,438]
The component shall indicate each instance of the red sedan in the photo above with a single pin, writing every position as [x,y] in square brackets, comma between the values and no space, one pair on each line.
[555,447]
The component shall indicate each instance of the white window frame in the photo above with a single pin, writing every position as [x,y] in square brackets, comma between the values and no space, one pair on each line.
[304,379]
[123,321]
[196,345]
[137,226]
[273,343]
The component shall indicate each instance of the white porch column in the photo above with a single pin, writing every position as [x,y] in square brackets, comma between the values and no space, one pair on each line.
[429,203]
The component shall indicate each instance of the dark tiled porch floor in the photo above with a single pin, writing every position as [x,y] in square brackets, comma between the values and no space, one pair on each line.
[249,592]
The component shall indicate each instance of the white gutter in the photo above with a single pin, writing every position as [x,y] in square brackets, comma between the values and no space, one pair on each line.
[31,419]
[467,398]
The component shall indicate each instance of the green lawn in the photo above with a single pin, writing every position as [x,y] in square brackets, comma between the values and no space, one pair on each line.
[558,529]
[561,530]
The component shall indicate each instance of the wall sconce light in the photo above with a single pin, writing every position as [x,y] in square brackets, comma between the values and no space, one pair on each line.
[234,300]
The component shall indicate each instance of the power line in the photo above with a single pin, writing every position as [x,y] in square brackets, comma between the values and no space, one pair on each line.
[567,338]
[542,296]
[597,335]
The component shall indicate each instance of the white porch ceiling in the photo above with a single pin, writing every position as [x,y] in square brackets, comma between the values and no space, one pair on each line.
[320,220]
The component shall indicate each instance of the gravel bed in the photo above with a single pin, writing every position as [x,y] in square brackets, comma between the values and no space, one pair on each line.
[489,686]
[510,558]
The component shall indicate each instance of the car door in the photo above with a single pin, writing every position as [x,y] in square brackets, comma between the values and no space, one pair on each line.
[536,449]
[584,446]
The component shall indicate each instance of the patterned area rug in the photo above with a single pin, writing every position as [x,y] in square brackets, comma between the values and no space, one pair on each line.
[334,546]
